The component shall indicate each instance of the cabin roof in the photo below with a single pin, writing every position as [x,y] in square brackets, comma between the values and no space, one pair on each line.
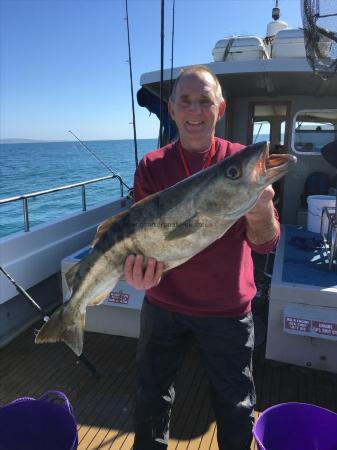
[269,77]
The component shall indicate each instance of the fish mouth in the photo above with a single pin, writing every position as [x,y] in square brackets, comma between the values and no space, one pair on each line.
[273,167]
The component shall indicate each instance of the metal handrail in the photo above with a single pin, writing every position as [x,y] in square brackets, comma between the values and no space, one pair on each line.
[329,238]
[26,197]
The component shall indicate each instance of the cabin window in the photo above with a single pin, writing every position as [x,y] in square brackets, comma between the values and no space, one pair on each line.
[268,122]
[313,129]
[261,131]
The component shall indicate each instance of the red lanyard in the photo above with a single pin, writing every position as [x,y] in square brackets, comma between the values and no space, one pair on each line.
[207,162]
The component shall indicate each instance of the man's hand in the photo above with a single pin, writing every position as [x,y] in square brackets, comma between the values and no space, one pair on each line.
[137,277]
[262,225]
[264,206]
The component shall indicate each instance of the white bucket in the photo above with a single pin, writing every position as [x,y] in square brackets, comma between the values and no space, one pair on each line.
[316,203]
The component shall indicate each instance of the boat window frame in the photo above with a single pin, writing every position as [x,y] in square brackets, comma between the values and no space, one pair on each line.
[296,114]
[286,103]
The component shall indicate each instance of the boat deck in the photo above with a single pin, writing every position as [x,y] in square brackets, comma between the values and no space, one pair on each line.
[103,407]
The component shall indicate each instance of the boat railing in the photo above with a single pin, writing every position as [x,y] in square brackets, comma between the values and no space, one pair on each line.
[24,198]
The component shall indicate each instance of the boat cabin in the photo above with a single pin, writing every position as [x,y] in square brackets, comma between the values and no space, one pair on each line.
[276,97]
[272,94]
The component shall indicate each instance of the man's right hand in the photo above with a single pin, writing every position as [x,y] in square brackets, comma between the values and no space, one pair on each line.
[137,277]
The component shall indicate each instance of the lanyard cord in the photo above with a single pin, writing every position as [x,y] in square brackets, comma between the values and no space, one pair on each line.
[207,162]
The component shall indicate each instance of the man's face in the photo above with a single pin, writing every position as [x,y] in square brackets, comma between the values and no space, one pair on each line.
[196,110]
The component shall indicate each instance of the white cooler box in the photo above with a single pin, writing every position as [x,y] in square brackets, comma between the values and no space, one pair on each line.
[119,314]
[289,43]
[244,48]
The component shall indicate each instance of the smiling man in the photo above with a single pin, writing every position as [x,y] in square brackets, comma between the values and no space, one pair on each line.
[196,104]
[208,298]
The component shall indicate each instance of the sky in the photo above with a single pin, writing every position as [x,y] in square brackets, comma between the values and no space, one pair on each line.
[64,62]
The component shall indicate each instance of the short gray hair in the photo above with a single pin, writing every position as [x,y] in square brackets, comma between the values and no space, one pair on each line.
[197,69]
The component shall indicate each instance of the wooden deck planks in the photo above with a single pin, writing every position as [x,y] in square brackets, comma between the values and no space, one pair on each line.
[103,407]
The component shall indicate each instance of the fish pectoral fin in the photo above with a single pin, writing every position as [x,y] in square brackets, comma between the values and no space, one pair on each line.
[70,275]
[100,298]
[63,326]
[104,226]
[184,229]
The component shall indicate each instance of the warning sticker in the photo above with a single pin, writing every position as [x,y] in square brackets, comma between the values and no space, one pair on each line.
[118,297]
[326,328]
[295,324]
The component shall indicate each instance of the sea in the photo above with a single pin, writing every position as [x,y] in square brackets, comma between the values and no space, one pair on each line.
[32,167]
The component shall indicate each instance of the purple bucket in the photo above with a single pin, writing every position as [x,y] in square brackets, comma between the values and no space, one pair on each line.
[296,426]
[40,424]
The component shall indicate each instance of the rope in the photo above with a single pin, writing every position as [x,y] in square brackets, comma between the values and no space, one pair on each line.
[228,47]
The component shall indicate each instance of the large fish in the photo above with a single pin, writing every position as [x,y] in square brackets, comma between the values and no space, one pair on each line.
[171,226]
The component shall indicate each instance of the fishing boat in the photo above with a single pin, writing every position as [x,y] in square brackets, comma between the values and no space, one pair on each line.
[270,89]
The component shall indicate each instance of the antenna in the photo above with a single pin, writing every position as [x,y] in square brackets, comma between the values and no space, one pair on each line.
[276,12]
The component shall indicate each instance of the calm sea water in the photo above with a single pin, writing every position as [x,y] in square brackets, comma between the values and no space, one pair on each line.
[27,168]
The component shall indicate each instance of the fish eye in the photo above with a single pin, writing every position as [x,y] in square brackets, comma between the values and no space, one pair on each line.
[233,172]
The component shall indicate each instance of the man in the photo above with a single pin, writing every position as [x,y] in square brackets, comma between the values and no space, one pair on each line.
[207,298]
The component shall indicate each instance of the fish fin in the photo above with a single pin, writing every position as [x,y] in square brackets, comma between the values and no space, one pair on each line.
[104,226]
[184,229]
[145,199]
[63,326]
[70,275]
[100,297]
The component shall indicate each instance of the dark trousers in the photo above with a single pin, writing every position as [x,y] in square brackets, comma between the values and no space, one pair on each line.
[225,346]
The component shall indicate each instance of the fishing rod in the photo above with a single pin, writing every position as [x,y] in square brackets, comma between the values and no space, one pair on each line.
[172,53]
[101,161]
[131,84]
[162,17]
[82,358]
[172,45]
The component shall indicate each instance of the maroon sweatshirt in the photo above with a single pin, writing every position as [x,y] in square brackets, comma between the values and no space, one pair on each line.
[219,281]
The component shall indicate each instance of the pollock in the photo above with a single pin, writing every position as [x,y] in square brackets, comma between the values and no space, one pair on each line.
[171,226]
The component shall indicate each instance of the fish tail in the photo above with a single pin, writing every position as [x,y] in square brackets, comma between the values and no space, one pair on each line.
[63,326]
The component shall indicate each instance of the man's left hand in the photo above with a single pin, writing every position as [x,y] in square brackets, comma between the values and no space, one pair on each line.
[264,206]
[262,225]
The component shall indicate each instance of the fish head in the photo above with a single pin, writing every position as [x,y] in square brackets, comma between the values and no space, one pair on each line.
[255,167]
[247,173]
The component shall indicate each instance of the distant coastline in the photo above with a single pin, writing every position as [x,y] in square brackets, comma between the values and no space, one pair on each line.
[35,141]
[20,141]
